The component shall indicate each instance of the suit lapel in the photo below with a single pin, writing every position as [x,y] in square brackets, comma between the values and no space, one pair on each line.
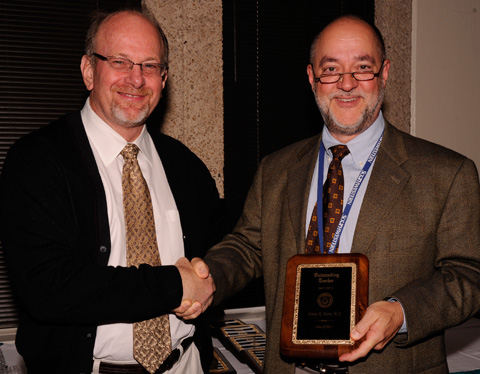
[299,178]
[386,183]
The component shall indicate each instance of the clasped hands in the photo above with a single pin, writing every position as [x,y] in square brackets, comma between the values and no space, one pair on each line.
[198,288]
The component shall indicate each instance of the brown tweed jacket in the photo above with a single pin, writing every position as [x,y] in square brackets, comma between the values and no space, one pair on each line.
[419,225]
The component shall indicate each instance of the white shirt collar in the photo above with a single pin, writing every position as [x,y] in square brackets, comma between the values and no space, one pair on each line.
[361,146]
[106,140]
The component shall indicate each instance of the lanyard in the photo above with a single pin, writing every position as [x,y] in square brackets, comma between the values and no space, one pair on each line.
[351,198]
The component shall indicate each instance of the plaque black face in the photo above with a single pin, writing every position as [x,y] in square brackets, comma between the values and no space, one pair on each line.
[324,303]
[325,296]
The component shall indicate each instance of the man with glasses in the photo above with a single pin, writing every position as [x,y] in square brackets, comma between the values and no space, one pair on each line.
[412,207]
[98,215]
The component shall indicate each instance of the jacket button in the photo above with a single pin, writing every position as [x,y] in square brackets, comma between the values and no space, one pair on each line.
[103,249]
[89,335]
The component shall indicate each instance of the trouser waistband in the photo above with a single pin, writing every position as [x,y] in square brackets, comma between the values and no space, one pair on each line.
[111,368]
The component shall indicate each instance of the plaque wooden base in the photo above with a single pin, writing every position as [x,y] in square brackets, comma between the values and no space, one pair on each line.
[325,296]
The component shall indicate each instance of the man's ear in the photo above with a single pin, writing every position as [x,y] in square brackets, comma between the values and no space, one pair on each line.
[165,77]
[386,69]
[311,76]
[87,72]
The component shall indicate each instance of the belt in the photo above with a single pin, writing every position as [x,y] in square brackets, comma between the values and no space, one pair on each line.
[109,368]
[332,369]
[327,369]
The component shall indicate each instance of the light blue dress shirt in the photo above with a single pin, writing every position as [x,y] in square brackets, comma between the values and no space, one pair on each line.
[360,149]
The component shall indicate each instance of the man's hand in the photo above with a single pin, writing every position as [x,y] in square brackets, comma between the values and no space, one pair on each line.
[380,324]
[198,288]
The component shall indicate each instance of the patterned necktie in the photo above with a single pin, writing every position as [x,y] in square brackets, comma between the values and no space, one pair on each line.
[312,245]
[151,338]
[332,204]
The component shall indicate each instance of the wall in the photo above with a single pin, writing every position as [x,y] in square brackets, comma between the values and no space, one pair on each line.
[394,20]
[446,74]
[194,113]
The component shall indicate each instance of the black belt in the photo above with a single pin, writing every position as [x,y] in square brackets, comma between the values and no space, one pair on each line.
[109,368]
[327,369]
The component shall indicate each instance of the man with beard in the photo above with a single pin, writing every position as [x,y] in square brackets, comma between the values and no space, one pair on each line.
[415,215]
[98,215]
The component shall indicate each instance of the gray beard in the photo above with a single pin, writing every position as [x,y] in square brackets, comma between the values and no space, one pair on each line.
[127,122]
[363,123]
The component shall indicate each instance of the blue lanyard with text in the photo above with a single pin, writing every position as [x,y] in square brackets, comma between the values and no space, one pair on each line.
[351,198]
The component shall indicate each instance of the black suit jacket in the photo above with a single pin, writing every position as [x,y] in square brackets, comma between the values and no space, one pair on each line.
[55,234]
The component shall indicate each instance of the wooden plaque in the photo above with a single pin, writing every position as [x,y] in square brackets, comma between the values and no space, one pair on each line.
[325,296]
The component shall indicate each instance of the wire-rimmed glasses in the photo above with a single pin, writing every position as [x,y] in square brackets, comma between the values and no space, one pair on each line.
[360,76]
[124,65]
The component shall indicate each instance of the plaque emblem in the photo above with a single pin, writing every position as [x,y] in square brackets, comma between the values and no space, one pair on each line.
[325,300]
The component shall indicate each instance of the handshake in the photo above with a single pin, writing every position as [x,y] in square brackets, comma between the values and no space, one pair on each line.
[198,288]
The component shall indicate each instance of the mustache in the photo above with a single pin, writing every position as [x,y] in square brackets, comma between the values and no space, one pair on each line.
[346,95]
[133,91]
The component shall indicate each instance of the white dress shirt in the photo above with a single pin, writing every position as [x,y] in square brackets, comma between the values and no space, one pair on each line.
[114,342]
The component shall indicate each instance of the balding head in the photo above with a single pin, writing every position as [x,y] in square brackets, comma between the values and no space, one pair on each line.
[101,18]
[340,22]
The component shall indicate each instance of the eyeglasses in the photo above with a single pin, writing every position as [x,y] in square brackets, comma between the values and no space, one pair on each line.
[360,76]
[124,65]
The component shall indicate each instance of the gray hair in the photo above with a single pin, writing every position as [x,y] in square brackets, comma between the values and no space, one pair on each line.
[99,18]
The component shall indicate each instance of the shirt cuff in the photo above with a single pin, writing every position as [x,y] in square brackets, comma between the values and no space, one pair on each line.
[403,329]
